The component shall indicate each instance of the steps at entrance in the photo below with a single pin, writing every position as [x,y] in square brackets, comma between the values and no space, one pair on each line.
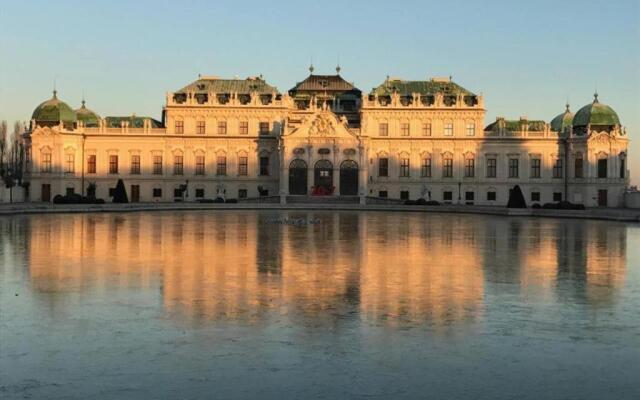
[323,199]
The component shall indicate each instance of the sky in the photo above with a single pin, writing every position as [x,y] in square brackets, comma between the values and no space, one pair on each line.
[527,58]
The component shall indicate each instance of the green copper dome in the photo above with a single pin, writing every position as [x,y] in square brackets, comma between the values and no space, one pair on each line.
[54,110]
[562,121]
[89,117]
[596,113]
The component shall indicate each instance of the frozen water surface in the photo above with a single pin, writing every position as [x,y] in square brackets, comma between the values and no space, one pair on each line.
[248,304]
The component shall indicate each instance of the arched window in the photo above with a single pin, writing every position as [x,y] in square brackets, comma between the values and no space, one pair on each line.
[45,160]
[404,165]
[447,165]
[469,165]
[579,165]
[623,167]
[425,166]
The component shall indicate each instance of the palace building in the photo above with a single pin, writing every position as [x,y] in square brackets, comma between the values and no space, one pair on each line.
[243,139]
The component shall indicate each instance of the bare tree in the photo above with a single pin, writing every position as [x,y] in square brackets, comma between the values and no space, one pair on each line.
[11,156]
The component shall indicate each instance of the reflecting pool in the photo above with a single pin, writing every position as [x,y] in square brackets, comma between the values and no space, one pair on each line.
[317,305]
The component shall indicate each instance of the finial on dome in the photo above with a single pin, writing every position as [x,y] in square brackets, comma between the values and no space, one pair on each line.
[311,68]
[338,69]
[595,97]
[567,106]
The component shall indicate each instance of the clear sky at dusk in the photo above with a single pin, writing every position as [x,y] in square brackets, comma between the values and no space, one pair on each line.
[527,58]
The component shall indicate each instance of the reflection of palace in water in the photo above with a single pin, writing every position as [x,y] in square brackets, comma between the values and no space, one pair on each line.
[386,268]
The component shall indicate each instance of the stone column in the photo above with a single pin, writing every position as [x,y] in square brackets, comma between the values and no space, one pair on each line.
[284,175]
[310,168]
[363,173]
[336,169]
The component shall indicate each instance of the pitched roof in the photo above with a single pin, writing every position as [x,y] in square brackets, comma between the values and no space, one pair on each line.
[516,125]
[134,122]
[430,87]
[322,83]
[217,85]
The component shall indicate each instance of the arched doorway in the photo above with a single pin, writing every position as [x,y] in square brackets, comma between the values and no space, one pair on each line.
[323,176]
[298,177]
[349,178]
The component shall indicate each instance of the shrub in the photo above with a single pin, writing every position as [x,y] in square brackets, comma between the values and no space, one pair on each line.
[120,193]
[432,203]
[536,205]
[219,200]
[75,199]
[59,199]
[421,202]
[516,199]
[409,202]
[205,201]
[231,201]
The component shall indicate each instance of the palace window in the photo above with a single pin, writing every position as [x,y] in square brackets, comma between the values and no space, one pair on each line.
[383,129]
[264,128]
[404,167]
[383,166]
[447,196]
[157,165]
[557,196]
[602,168]
[242,193]
[535,167]
[222,127]
[426,129]
[199,165]
[579,166]
[200,127]
[491,196]
[46,162]
[557,168]
[244,128]
[157,192]
[178,165]
[492,167]
[91,164]
[448,129]
[447,167]
[425,168]
[243,162]
[383,194]
[471,129]
[179,127]
[199,193]
[469,167]
[404,195]
[535,196]
[135,165]
[70,161]
[469,197]
[622,168]
[221,165]
[513,168]
[264,166]
[113,164]
[405,129]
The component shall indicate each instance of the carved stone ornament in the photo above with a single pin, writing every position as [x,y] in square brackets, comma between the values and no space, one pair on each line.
[322,126]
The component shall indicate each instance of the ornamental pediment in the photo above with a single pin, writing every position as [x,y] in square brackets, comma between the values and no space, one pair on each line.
[323,124]
[43,131]
[601,138]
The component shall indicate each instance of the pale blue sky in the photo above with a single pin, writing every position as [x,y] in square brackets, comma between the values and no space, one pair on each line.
[527,58]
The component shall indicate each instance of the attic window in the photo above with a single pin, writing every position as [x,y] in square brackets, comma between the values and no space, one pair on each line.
[323,82]
[200,86]
[244,99]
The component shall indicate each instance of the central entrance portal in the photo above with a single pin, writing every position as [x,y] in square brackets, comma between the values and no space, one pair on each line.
[349,178]
[323,177]
[298,177]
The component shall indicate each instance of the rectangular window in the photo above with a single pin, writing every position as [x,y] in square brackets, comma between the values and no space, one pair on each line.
[264,128]
[242,193]
[70,161]
[135,193]
[135,165]
[426,129]
[404,195]
[383,129]
[602,168]
[383,167]
[382,193]
[70,191]
[200,127]
[243,162]
[447,196]
[404,167]
[91,164]
[579,167]
[157,165]
[469,198]
[535,196]
[199,193]
[557,196]
[180,127]
[623,169]
[447,168]
[199,165]
[513,168]
[448,129]
[113,164]
[557,168]
[471,129]
[425,168]
[177,192]
[221,165]
[491,196]
[469,167]
[178,165]
[492,167]
[157,192]
[264,166]
[535,167]
[222,127]
[404,129]
[244,128]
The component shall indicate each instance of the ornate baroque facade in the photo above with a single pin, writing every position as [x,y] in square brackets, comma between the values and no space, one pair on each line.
[234,138]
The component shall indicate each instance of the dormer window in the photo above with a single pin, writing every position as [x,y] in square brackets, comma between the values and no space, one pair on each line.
[244,99]
[323,83]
